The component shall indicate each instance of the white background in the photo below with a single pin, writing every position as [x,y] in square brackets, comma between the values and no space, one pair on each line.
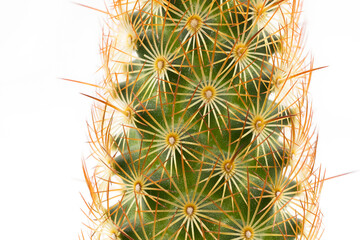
[43,118]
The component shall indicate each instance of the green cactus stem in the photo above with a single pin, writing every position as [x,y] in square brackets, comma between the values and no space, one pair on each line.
[201,126]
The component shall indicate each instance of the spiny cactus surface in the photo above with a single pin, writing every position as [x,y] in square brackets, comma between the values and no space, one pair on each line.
[201,126]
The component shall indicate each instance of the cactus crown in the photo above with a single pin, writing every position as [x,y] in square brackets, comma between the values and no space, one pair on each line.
[202,128]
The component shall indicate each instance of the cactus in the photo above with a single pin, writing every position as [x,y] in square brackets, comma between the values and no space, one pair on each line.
[201,126]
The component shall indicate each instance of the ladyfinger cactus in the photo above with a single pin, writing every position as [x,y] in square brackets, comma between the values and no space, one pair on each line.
[201,126]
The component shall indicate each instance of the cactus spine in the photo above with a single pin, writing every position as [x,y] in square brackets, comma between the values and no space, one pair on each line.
[201,127]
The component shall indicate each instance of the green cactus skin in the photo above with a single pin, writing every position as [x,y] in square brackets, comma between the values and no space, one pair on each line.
[201,127]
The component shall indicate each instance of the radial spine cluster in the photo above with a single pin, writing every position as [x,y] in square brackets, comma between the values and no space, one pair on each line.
[201,125]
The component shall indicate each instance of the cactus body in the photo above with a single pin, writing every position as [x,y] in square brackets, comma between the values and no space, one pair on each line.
[201,127]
